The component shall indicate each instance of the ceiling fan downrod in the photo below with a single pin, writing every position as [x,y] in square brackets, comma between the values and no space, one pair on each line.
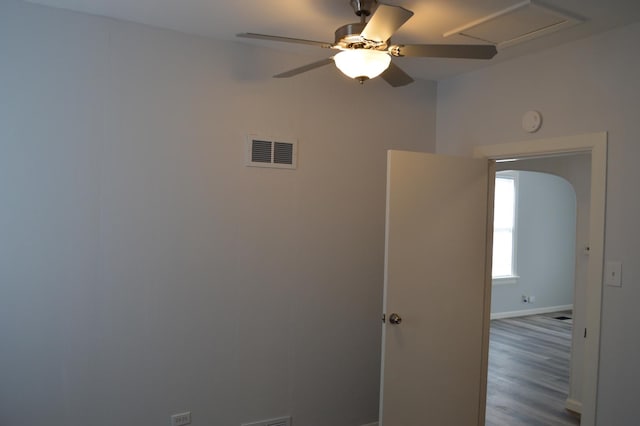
[363,8]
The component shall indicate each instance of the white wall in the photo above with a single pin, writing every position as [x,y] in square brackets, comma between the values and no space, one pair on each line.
[144,270]
[586,86]
[545,245]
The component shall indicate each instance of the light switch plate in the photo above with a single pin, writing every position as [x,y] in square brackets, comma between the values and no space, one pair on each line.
[613,274]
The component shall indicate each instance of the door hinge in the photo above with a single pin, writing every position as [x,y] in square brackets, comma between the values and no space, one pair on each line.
[384,317]
[585,333]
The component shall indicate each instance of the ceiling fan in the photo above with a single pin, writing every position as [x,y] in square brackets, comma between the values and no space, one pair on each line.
[365,48]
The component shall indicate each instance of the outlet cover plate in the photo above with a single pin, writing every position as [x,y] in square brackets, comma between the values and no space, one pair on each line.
[181,419]
[613,274]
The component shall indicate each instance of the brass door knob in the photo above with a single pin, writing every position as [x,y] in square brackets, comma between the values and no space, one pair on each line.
[395,319]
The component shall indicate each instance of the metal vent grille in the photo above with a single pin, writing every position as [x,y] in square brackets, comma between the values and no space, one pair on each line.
[268,152]
[282,421]
[261,151]
[283,153]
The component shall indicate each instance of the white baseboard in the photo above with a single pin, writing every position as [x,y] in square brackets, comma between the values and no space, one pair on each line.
[573,405]
[525,312]
[570,404]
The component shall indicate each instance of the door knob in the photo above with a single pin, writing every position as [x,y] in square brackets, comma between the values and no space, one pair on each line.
[395,319]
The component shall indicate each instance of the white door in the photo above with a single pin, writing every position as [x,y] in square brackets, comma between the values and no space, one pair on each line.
[438,282]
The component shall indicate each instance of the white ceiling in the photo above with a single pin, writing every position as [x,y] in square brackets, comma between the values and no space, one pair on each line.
[318,19]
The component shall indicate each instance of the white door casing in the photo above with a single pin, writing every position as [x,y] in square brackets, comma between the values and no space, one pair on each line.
[596,145]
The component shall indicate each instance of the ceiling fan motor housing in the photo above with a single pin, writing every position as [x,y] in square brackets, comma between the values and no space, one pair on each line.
[348,36]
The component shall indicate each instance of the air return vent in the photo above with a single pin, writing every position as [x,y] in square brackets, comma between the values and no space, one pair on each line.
[523,21]
[282,421]
[269,152]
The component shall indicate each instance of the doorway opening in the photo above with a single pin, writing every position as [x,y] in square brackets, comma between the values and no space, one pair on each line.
[593,145]
[537,276]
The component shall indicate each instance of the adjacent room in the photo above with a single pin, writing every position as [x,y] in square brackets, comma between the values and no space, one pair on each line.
[186,240]
[538,276]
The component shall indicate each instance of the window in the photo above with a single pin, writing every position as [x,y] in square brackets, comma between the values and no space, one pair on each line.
[504,228]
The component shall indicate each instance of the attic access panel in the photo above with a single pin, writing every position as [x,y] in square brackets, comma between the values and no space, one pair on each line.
[518,23]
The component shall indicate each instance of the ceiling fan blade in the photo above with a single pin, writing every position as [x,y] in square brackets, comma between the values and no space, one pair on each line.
[285,39]
[305,68]
[385,21]
[466,51]
[396,77]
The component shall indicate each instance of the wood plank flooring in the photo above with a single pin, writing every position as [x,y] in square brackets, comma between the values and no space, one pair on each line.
[529,371]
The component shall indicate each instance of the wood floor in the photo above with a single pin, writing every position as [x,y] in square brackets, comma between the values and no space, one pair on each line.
[529,371]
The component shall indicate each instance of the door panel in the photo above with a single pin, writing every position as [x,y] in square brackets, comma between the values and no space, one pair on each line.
[437,278]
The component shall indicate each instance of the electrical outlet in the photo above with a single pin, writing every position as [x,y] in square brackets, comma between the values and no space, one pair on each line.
[532,299]
[181,419]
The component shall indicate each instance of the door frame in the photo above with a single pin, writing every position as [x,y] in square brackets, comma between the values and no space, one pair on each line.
[596,145]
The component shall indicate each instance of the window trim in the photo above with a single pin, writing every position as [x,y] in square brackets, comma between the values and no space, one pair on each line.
[505,280]
[513,277]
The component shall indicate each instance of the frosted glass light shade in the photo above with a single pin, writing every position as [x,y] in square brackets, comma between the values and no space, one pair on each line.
[362,63]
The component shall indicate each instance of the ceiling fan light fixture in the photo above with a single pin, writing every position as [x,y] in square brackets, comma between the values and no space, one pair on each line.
[365,49]
[362,63]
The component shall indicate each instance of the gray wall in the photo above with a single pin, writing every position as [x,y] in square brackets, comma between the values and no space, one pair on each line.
[144,270]
[586,86]
[545,245]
